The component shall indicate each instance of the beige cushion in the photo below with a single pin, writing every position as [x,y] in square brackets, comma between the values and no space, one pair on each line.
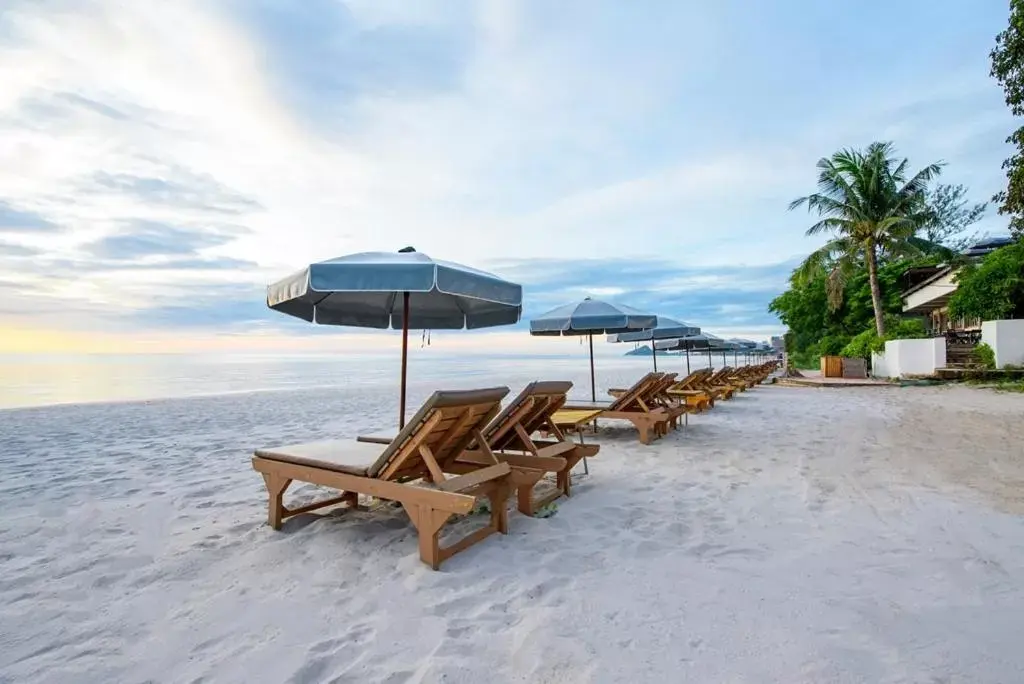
[348,456]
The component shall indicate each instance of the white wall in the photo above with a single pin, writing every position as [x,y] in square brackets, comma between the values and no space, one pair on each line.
[879,366]
[910,357]
[1006,339]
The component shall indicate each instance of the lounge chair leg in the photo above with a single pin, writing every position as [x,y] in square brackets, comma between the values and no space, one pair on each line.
[428,523]
[276,486]
[563,481]
[499,509]
[524,500]
[645,432]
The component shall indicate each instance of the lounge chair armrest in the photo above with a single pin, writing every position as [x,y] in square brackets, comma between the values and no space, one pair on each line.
[556,449]
[477,477]
[375,439]
[545,462]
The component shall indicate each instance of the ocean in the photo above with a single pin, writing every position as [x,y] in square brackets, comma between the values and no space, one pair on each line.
[46,380]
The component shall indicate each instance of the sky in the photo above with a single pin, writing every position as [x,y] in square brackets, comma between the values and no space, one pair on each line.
[161,163]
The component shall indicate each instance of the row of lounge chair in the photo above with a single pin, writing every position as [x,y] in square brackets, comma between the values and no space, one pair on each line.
[462,447]
[657,401]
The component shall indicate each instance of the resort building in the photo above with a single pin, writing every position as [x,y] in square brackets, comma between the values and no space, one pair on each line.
[927,291]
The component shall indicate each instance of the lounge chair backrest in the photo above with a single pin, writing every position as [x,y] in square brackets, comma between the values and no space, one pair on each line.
[534,405]
[640,390]
[722,373]
[445,425]
[688,380]
[661,386]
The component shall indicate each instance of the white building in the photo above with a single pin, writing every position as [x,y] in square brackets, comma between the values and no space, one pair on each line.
[929,288]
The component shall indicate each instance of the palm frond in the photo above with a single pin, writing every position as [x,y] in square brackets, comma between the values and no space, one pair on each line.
[832,223]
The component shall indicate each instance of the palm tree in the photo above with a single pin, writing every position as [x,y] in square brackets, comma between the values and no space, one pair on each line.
[871,208]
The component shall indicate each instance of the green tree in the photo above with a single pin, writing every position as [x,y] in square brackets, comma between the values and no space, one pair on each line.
[949,216]
[993,289]
[1008,69]
[804,307]
[871,207]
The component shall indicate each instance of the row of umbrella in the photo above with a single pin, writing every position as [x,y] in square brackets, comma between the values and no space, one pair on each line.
[409,290]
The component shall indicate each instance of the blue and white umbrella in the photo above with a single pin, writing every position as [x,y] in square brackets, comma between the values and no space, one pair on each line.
[592,317]
[698,342]
[704,342]
[666,328]
[399,290]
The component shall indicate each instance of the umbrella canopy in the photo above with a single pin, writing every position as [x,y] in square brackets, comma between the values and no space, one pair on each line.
[367,291]
[404,289]
[740,343]
[666,327]
[591,317]
[701,341]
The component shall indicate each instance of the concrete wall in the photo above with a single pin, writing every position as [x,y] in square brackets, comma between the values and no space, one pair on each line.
[879,367]
[1006,339]
[909,357]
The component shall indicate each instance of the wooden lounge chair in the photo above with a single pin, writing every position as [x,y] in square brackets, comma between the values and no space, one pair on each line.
[723,377]
[637,405]
[424,450]
[689,390]
[658,396]
[708,382]
[509,438]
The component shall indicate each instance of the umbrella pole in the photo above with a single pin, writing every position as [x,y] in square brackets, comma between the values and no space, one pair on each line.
[710,365]
[687,360]
[593,395]
[405,357]
[593,385]
[654,353]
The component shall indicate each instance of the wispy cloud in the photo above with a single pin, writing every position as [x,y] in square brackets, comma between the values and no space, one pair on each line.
[12,249]
[154,152]
[184,190]
[14,220]
[140,239]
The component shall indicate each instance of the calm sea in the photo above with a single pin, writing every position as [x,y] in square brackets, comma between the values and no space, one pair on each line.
[40,380]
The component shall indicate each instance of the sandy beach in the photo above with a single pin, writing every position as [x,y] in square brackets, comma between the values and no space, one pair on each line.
[789,535]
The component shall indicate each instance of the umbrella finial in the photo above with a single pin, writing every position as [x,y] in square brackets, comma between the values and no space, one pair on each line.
[406,250]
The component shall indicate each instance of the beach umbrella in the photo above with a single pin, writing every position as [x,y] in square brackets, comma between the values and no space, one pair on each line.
[740,345]
[666,328]
[400,290]
[591,317]
[700,342]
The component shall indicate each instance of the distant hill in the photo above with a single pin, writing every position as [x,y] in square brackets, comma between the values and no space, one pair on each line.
[646,351]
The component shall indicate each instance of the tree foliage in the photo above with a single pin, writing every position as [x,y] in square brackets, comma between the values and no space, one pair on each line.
[1008,68]
[873,207]
[949,216]
[815,328]
[992,289]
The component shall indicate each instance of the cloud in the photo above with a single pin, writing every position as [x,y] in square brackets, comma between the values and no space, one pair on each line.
[708,296]
[183,189]
[320,59]
[658,148]
[142,238]
[12,249]
[14,220]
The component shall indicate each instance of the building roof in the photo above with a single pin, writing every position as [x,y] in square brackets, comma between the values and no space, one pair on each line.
[987,245]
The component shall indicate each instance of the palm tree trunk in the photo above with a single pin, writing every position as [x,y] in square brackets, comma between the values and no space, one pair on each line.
[871,257]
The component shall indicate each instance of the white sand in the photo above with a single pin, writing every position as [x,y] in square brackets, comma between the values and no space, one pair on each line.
[791,535]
